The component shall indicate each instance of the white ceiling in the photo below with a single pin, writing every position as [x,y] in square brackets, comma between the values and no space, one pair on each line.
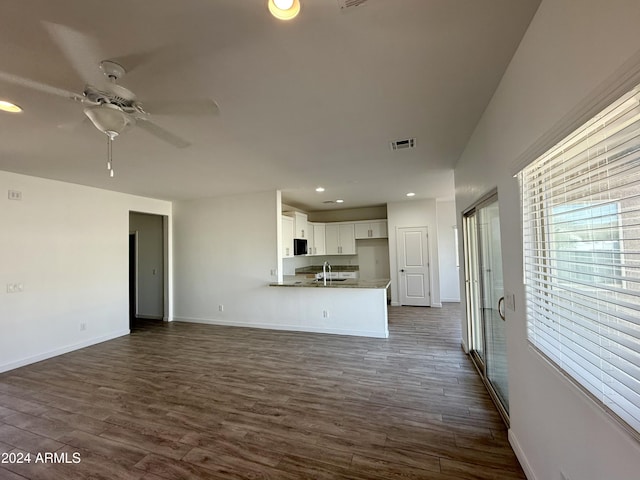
[310,102]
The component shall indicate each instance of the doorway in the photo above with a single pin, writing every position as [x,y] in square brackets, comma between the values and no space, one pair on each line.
[147,272]
[133,278]
[413,264]
[485,299]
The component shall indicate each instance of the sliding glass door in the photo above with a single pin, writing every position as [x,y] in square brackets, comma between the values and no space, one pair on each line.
[485,299]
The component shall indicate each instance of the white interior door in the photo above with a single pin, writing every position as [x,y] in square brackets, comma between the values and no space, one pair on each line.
[413,266]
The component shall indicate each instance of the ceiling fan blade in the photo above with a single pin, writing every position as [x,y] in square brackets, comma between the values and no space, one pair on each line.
[80,50]
[161,133]
[203,106]
[41,87]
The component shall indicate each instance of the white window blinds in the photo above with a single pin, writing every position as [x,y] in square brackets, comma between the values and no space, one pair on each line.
[581,232]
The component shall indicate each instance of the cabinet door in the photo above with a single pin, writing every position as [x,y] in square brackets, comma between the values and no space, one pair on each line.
[332,239]
[347,239]
[287,237]
[310,239]
[378,229]
[363,230]
[301,228]
[319,247]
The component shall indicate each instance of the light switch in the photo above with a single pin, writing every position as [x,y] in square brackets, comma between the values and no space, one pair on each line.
[510,301]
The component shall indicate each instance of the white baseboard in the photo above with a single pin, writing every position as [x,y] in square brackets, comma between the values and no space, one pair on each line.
[291,328]
[522,458]
[450,300]
[395,304]
[60,351]
[149,317]
[436,305]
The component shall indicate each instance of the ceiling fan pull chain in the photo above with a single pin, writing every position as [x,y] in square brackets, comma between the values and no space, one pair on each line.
[110,155]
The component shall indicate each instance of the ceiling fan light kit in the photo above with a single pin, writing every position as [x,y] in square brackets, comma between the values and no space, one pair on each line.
[284,9]
[109,119]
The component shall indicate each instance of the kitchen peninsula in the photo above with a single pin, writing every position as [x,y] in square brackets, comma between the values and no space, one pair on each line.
[349,306]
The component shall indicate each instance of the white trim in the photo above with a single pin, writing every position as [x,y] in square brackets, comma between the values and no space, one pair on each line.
[396,304]
[292,328]
[450,300]
[436,305]
[150,317]
[522,458]
[61,351]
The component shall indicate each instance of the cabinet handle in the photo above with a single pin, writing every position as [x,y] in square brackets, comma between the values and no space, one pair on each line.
[371,233]
[302,233]
[287,251]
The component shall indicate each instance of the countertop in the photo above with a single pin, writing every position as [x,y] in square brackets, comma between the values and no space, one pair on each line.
[304,281]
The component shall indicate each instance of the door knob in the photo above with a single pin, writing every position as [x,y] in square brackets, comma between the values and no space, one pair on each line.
[402,270]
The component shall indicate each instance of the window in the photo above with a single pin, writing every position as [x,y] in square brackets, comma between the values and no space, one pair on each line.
[581,232]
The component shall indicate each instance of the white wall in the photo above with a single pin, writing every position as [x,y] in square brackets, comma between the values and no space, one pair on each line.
[373,258]
[414,213]
[68,246]
[224,251]
[571,50]
[150,260]
[449,271]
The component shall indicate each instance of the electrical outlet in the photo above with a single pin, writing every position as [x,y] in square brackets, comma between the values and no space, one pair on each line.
[15,195]
[325,314]
[221,308]
[14,288]
[83,326]
[274,272]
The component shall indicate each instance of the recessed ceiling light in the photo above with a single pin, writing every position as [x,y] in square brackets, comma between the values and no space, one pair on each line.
[411,194]
[320,189]
[284,9]
[339,201]
[9,107]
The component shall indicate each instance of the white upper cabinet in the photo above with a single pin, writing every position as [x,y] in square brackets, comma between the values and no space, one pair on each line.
[287,237]
[316,243]
[371,229]
[340,239]
[301,225]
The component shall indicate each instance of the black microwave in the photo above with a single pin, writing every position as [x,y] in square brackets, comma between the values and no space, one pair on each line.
[299,246]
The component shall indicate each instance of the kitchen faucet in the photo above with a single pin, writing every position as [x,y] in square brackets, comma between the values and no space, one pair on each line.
[326,266]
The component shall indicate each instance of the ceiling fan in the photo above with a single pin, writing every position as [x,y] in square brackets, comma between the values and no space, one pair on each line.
[111,107]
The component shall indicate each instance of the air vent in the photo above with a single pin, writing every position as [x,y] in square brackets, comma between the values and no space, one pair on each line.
[402,144]
[350,3]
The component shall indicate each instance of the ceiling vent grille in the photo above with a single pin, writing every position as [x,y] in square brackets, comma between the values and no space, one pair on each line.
[402,144]
[350,3]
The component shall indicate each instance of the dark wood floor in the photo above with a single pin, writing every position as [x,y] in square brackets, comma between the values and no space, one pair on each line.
[187,401]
